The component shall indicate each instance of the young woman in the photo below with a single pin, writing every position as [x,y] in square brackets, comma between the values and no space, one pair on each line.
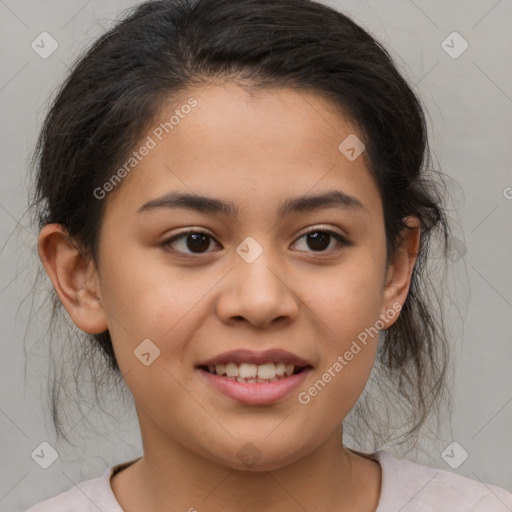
[235,205]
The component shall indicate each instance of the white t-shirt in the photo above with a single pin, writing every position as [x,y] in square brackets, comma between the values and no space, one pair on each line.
[406,487]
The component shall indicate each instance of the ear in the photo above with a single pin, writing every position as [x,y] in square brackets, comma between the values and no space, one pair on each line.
[399,270]
[74,278]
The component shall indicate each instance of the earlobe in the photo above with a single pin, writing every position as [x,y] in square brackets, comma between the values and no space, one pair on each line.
[400,269]
[74,278]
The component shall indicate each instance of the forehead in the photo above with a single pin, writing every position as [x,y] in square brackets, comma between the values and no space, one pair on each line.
[251,147]
[274,123]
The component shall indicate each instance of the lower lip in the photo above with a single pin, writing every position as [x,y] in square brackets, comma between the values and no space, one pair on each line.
[256,393]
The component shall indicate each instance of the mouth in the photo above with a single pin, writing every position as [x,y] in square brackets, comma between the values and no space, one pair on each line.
[253,373]
[255,378]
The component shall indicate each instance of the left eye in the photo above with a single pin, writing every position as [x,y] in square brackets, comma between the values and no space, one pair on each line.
[197,242]
[319,239]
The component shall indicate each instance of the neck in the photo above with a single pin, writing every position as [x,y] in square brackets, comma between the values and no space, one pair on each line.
[172,477]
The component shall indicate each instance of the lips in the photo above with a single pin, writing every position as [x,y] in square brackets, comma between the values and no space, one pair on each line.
[255,392]
[240,356]
[255,378]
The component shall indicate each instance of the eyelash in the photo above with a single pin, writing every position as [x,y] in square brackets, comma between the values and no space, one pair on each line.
[342,241]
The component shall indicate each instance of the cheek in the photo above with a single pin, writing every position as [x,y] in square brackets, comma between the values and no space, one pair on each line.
[152,321]
[347,304]
[144,301]
[349,347]
[347,297]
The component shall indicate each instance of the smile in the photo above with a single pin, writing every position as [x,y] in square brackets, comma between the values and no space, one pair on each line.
[254,384]
[253,373]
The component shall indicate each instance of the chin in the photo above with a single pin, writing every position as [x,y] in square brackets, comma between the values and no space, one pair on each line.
[259,455]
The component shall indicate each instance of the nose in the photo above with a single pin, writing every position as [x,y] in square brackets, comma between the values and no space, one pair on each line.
[260,293]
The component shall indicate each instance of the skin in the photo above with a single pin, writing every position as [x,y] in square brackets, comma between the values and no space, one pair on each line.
[255,149]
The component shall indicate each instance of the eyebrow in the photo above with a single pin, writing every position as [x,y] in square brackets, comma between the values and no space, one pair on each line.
[205,204]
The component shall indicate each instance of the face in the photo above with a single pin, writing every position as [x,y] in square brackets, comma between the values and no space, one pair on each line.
[249,277]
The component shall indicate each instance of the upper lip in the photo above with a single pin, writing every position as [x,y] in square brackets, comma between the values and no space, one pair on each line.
[273,355]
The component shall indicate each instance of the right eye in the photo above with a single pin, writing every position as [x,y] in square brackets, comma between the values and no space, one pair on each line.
[197,242]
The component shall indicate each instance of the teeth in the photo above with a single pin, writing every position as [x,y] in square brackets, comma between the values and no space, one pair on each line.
[267,371]
[249,372]
[232,370]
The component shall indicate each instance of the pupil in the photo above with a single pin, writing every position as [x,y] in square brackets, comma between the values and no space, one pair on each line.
[319,238]
[200,242]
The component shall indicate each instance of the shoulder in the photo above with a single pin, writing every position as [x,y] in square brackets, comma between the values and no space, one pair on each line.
[409,486]
[87,496]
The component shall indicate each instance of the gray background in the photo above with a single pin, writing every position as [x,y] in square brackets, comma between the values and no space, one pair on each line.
[469,101]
